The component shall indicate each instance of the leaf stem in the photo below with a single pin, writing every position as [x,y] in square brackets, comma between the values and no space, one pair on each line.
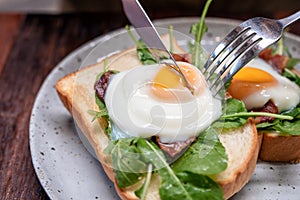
[130,34]
[171,172]
[280,47]
[147,182]
[251,114]
[171,38]
[200,31]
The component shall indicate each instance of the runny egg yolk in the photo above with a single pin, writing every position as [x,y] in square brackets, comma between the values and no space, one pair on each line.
[248,81]
[167,82]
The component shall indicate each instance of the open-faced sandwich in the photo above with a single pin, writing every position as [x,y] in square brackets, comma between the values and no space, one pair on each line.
[156,140]
[270,84]
[217,164]
[279,92]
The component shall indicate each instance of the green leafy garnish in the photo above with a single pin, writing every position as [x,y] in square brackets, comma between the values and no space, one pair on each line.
[100,103]
[102,113]
[198,29]
[128,164]
[231,106]
[189,186]
[292,63]
[256,114]
[179,185]
[143,52]
[206,156]
[131,159]
[98,114]
[279,48]
[290,127]
[142,192]
[291,75]
[171,38]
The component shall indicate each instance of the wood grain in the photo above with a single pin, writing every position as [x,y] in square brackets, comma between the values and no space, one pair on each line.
[9,29]
[41,42]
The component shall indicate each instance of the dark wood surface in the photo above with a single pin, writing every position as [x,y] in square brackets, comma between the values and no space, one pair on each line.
[30,47]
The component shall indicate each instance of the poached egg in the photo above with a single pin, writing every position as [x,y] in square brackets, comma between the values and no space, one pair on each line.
[257,83]
[152,100]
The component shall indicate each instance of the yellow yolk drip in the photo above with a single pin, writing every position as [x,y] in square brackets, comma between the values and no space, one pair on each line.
[167,80]
[249,80]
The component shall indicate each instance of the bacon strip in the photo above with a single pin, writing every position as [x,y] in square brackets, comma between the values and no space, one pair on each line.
[278,62]
[269,107]
[101,85]
[183,57]
[174,148]
[266,54]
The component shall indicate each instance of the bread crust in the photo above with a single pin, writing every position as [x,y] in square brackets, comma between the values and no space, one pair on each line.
[243,171]
[280,148]
[77,94]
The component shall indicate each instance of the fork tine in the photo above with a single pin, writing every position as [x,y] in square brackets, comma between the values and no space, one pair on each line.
[240,46]
[225,42]
[244,55]
[246,35]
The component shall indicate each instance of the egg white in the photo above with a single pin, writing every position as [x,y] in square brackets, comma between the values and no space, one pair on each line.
[136,112]
[285,95]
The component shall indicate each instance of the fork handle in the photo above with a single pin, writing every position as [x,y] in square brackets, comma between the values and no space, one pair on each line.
[290,19]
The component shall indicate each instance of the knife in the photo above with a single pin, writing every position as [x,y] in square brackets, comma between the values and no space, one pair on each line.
[148,33]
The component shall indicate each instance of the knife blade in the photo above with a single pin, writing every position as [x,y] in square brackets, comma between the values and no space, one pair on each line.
[148,33]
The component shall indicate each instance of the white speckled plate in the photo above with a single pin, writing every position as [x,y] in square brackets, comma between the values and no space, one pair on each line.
[67,171]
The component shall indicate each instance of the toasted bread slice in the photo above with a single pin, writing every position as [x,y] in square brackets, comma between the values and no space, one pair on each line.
[76,91]
[242,147]
[280,148]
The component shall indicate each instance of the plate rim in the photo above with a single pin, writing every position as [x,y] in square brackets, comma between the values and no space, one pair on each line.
[88,46]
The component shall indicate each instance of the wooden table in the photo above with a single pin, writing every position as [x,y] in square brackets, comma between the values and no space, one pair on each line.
[30,47]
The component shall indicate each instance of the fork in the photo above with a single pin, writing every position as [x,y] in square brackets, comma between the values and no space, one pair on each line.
[241,45]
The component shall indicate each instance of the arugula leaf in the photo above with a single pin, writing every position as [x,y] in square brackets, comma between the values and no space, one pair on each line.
[267,125]
[235,115]
[292,63]
[231,106]
[188,186]
[295,112]
[198,29]
[142,192]
[130,158]
[181,185]
[144,54]
[290,127]
[291,75]
[100,103]
[127,161]
[279,48]
[152,153]
[171,38]
[206,156]
[98,114]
